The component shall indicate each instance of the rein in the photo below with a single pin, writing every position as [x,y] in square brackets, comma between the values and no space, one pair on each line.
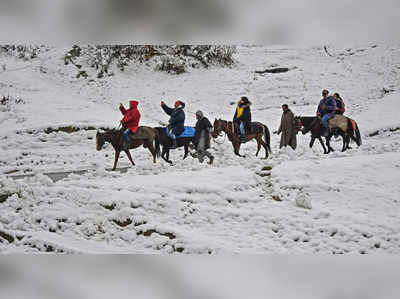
[214,139]
[224,136]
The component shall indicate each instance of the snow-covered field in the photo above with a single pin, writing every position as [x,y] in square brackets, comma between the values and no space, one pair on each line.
[338,203]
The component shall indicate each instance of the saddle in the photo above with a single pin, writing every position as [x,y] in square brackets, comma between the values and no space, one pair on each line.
[254,128]
[143,132]
[188,132]
[338,121]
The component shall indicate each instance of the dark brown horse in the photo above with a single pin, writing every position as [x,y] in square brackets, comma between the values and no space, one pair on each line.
[258,131]
[313,124]
[165,141]
[115,137]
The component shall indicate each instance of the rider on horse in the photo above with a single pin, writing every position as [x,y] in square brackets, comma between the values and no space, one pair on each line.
[130,121]
[243,117]
[176,121]
[339,104]
[326,109]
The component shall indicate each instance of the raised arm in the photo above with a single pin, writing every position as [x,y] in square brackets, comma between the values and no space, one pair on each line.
[122,109]
[166,109]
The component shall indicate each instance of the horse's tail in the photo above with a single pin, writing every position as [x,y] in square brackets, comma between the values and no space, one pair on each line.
[358,135]
[354,131]
[157,142]
[267,138]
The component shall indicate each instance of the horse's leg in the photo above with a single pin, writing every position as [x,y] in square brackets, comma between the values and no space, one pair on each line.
[323,145]
[328,144]
[265,146]
[352,137]
[258,144]
[348,141]
[149,144]
[186,147]
[345,144]
[165,150]
[168,160]
[151,148]
[116,159]
[329,139]
[236,147]
[127,152]
[312,141]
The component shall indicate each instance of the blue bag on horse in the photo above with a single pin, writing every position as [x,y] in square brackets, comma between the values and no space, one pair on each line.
[188,132]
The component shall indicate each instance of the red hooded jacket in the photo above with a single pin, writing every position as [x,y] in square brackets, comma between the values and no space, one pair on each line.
[131,116]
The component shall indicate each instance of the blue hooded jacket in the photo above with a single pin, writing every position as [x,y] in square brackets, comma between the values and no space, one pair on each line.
[177,118]
[330,105]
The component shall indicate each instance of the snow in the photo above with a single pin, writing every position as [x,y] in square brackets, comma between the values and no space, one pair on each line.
[295,202]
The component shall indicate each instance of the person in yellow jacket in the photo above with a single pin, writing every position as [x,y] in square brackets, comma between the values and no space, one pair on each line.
[243,117]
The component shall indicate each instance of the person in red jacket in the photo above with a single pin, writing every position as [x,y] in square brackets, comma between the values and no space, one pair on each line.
[339,104]
[130,121]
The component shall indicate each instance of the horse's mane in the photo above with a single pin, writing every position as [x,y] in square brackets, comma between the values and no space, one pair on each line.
[111,131]
[307,120]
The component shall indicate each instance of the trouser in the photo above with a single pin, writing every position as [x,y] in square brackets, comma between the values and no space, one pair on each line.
[126,135]
[201,152]
[327,117]
[172,135]
[241,128]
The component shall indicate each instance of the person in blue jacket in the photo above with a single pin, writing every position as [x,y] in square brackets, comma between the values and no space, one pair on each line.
[177,119]
[326,109]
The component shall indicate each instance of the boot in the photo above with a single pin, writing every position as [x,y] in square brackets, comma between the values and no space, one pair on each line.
[211,160]
[125,146]
[326,132]
[173,143]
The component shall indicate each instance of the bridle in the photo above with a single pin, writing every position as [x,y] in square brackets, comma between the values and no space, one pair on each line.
[214,138]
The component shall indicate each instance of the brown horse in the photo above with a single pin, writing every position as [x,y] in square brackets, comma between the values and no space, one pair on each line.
[115,137]
[258,131]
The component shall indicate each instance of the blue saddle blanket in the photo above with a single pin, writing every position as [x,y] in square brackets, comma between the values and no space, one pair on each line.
[189,132]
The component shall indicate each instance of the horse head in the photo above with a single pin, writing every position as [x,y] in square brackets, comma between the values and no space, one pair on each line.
[298,124]
[218,126]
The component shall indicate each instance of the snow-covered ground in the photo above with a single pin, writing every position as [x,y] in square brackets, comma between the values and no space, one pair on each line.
[338,203]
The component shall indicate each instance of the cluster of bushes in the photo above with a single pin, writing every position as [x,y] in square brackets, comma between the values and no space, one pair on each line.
[23,51]
[7,101]
[172,59]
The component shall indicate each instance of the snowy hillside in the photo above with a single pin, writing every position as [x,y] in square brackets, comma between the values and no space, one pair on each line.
[296,201]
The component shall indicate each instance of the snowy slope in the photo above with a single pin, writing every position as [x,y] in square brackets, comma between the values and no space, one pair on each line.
[352,197]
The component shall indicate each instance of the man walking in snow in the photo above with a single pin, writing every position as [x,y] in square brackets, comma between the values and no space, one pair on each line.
[202,138]
[287,128]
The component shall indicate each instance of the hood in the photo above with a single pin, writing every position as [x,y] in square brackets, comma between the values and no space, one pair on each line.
[244,105]
[133,104]
[180,104]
